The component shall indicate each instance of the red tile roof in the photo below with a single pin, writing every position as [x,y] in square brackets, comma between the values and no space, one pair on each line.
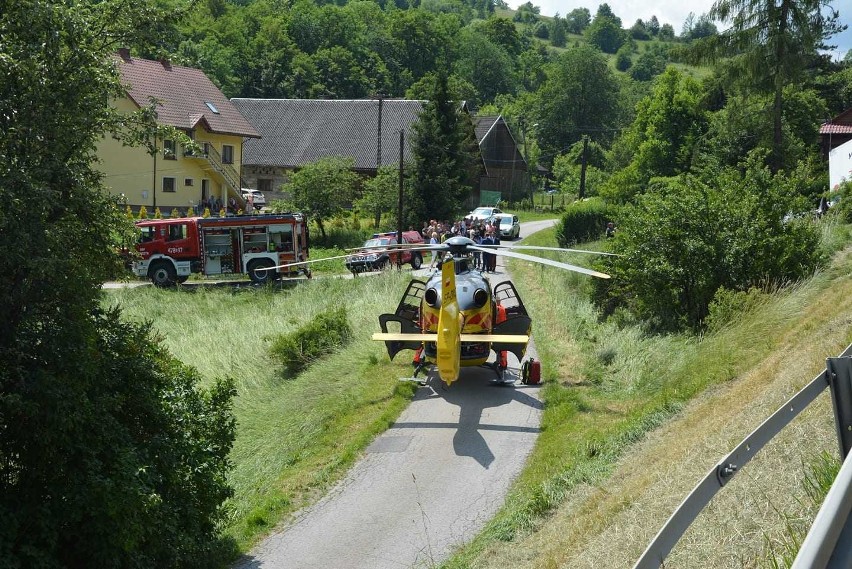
[183,94]
[829,128]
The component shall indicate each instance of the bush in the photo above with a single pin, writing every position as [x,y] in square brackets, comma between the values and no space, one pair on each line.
[728,305]
[686,239]
[843,208]
[328,331]
[583,221]
[338,236]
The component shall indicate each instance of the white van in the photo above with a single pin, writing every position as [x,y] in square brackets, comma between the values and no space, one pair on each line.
[257,197]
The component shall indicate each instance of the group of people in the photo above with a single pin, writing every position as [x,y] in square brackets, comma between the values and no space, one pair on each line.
[481,232]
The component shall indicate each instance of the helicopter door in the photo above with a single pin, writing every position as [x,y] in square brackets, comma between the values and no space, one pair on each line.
[506,295]
[517,320]
[408,316]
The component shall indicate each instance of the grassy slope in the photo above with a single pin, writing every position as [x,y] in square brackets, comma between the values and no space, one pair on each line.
[602,480]
[294,437]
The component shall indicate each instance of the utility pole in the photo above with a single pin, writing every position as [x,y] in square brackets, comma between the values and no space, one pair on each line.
[378,214]
[583,167]
[154,193]
[399,207]
[381,96]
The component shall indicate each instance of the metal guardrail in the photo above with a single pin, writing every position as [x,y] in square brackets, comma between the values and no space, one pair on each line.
[833,534]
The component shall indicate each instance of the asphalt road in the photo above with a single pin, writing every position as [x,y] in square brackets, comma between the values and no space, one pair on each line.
[424,487]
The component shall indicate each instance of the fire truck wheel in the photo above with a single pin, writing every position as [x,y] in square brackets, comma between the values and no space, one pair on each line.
[162,274]
[259,276]
[416,261]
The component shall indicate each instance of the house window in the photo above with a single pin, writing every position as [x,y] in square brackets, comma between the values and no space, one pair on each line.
[168,184]
[227,154]
[169,150]
[188,181]
[264,184]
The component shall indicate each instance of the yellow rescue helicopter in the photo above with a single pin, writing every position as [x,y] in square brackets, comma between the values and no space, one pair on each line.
[455,318]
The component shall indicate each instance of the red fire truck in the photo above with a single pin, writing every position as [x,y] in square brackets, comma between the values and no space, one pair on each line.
[172,249]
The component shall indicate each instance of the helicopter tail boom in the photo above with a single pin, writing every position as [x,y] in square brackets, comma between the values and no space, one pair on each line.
[449,327]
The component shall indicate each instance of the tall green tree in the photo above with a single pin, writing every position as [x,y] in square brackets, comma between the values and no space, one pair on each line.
[418,42]
[578,19]
[580,96]
[381,194]
[322,189]
[109,453]
[502,32]
[558,35]
[447,162]
[662,140]
[605,31]
[771,43]
[485,65]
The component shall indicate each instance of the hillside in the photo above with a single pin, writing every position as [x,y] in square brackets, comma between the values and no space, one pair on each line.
[608,513]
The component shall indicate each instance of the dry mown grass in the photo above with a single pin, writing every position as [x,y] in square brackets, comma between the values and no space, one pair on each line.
[609,525]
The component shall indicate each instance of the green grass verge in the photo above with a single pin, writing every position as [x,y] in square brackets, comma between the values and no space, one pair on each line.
[607,385]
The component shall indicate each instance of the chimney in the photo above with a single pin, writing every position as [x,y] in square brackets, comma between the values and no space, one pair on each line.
[165,63]
[124,53]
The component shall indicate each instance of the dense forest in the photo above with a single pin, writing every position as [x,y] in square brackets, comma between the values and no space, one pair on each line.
[581,75]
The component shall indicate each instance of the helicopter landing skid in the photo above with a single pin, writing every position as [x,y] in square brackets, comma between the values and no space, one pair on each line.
[414,379]
[418,380]
[505,375]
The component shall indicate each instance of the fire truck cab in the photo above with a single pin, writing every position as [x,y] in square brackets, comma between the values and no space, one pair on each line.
[172,249]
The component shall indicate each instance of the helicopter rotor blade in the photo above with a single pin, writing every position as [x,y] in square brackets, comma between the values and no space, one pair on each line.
[537,248]
[296,264]
[542,260]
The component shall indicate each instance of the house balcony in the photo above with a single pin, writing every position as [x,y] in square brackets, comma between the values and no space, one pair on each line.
[224,172]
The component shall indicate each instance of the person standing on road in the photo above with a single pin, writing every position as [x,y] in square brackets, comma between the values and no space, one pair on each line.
[486,257]
[496,239]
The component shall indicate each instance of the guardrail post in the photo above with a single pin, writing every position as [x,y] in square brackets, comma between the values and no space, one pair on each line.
[840,381]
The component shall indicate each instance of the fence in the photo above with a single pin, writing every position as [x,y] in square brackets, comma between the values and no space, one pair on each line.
[829,542]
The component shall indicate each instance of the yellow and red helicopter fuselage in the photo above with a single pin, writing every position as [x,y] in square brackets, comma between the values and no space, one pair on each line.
[476,309]
[455,319]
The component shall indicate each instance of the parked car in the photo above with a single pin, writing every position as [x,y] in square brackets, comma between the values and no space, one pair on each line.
[257,197]
[510,227]
[374,258]
[483,213]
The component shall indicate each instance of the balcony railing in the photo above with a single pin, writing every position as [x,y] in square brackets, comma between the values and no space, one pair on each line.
[226,171]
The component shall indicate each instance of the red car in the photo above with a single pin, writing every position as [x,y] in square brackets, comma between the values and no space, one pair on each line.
[374,258]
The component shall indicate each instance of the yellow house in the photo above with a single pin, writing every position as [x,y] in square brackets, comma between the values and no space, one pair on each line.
[174,177]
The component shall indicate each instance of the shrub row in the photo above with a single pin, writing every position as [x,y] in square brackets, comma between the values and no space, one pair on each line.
[583,221]
[328,331]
